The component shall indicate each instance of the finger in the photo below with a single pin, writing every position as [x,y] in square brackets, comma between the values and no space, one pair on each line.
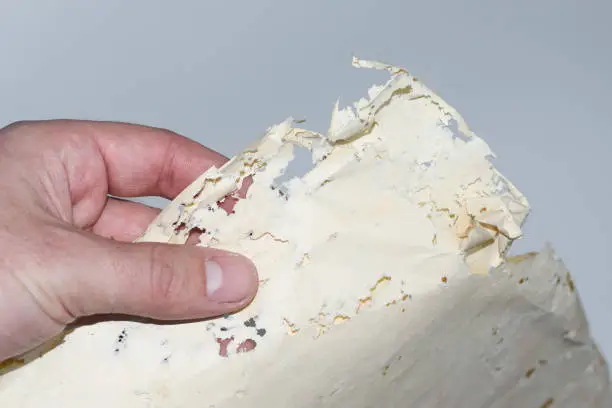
[140,160]
[124,220]
[159,281]
[144,161]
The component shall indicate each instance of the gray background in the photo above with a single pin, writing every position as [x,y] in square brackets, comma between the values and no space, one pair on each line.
[531,77]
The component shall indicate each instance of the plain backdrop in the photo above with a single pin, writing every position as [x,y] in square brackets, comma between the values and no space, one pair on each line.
[532,77]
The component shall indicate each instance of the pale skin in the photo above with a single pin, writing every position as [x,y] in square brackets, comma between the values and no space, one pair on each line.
[66,246]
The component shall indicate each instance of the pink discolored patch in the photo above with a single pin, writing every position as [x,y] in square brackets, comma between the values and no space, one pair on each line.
[223,344]
[246,346]
[228,202]
[194,236]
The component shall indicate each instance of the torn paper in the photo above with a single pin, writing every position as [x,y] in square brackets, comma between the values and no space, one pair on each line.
[384,282]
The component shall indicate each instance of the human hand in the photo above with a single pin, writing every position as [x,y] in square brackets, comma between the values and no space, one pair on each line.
[66,247]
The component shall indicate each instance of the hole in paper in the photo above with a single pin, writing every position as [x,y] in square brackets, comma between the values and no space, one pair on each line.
[453,126]
[300,165]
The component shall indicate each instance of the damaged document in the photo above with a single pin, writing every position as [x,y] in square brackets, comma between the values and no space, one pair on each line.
[384,282]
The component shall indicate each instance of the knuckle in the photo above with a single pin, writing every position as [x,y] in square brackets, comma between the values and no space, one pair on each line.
[18,124]
[15,136]
[166,277]
[167,132]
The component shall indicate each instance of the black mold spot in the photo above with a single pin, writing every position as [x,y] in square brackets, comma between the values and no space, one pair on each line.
[120,342]
[261,332]
[250,323]
[122,336]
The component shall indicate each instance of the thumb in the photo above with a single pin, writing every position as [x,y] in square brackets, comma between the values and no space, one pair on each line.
[163,281]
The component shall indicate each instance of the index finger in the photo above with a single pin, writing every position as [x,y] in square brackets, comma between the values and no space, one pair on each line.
[145,161]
